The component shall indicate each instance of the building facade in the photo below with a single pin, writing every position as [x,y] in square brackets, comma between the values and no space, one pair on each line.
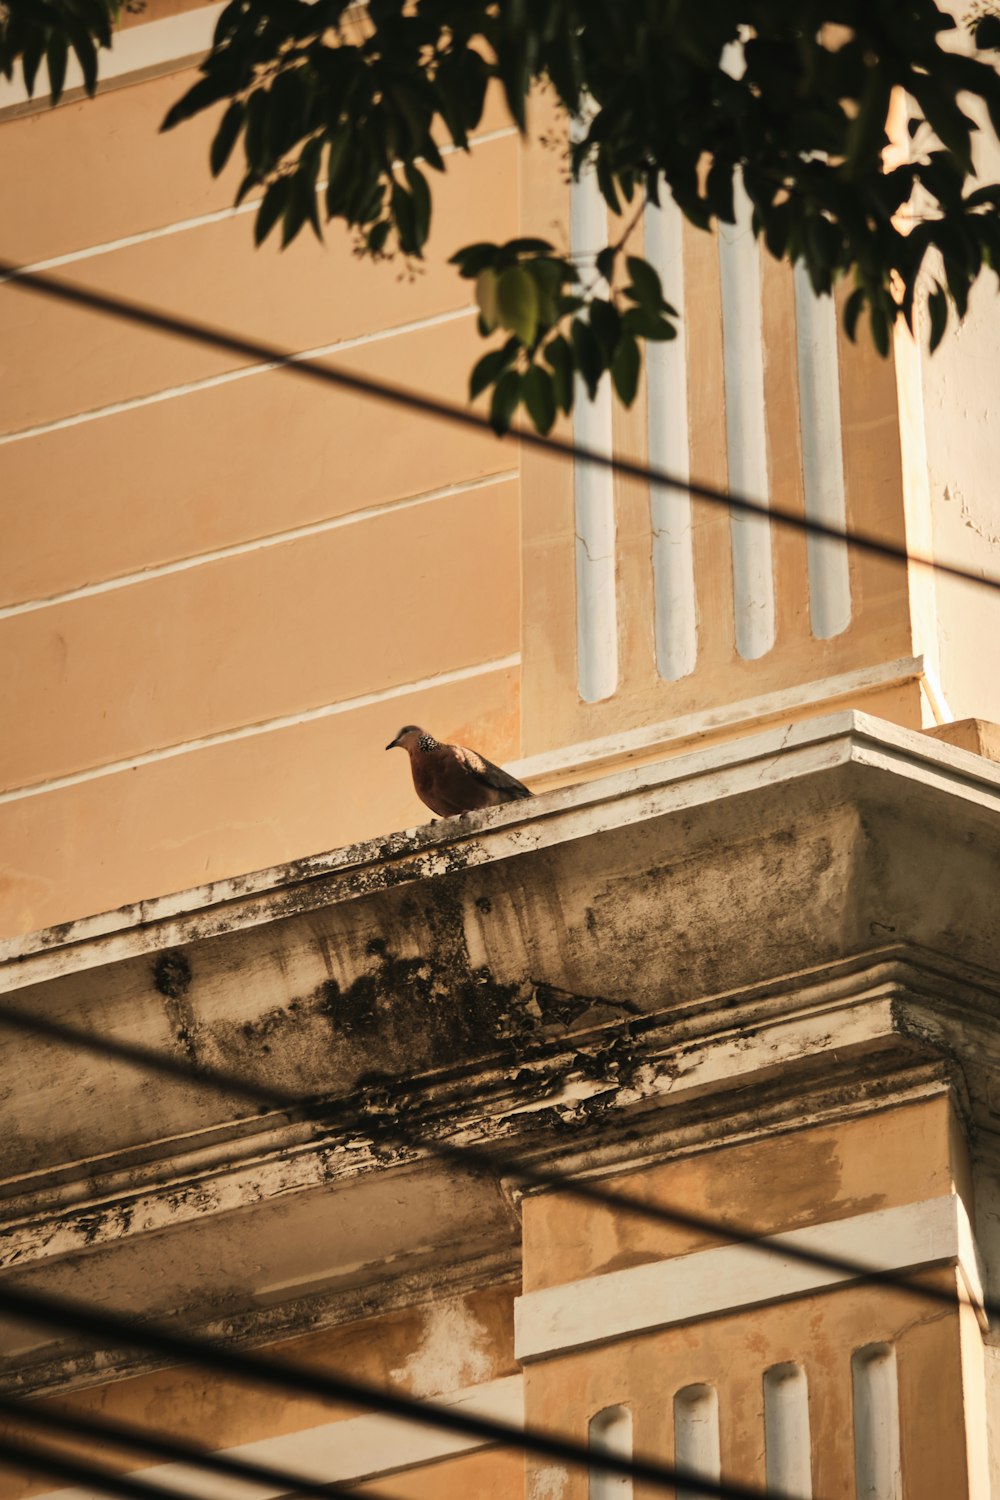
[735,965]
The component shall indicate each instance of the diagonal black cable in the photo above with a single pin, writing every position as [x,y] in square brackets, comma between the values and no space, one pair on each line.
[79,1471]
[156,1445]
[345,1114]
[43,284]
[249,1365]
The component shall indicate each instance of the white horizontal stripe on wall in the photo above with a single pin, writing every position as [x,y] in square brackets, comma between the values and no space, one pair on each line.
[356,1449]
[709,1282]
[243,372]
[274,539]
[201,221]
[264,726]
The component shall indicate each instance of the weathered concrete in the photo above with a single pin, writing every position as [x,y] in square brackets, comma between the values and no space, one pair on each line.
[770,933]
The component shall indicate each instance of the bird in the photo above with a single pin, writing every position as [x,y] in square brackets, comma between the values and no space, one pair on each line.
[451,779]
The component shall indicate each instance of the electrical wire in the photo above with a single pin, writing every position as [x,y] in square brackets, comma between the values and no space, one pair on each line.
[141,1440]
[380,1130]
[43,284]
[250,1365]
[63,1313]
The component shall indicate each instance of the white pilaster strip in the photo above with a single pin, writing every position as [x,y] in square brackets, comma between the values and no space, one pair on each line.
[746,436]
[594,495]
[706,1283]
[822,456]
[356,1449]
[675,618]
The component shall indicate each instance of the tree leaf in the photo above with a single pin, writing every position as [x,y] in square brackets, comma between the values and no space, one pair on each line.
[56,53]
[226,136]
[421,194]
[937,308]
[491,367]
[646,282]
[486,296]
[517,303]
[625,369]
[589,357]
[272,206]
[559,356]
[538,395]
[504,403]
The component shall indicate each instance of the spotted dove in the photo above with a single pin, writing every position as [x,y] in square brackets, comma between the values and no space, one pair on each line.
[451,779]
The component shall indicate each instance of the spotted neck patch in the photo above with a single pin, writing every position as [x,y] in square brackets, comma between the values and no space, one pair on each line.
[427,742]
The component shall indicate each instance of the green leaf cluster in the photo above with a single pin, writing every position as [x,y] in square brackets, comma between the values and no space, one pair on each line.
[33,31]
[561,336]
[345,112]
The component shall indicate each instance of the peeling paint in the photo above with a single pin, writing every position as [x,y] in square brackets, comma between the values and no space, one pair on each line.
[455,1350]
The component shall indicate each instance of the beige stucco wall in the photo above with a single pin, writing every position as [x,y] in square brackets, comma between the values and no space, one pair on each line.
[216,592]
[224,590]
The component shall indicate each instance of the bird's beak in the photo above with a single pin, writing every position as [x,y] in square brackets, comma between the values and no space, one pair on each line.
[392,744]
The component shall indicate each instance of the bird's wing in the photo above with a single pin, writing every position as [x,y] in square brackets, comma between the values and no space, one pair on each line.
[485,771]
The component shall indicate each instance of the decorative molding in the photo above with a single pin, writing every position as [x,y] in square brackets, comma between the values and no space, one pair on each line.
[824,692]
[618,1304]
[355,1449]
[776,757]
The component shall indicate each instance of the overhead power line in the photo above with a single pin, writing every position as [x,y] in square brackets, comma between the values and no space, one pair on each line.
[250,1365]
[43,284]
[131,1436]
[347,1115]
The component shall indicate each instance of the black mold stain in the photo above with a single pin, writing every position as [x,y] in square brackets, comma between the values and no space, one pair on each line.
[172,975]
[444,1010]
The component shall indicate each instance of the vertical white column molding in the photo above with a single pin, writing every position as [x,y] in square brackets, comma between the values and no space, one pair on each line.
[675,619]
[596,603]
[696,1436]
[610,1432]
[877,1469]
[822,456]
[787,1449]
[746,435]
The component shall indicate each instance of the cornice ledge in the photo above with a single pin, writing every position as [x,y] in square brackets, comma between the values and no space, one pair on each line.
[778,756]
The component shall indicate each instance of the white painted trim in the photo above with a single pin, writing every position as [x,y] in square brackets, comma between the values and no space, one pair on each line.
[593,486]
[707,1283]
[242,372]
[264,726]
[824,490]
[675,613]
[355,1449]
[201,221]
[273,539]
[152,47]
[671,732]
[746,432]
